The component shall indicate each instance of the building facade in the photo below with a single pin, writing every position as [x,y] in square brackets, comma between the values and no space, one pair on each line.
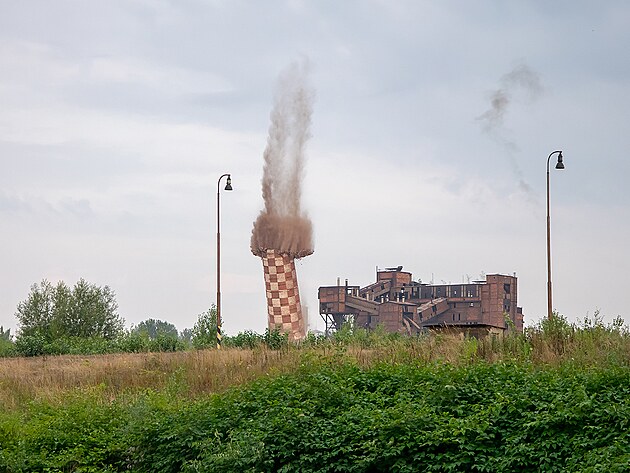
[399,304]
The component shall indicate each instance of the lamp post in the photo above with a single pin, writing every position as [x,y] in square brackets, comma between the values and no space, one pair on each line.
[559,165]
[228,187]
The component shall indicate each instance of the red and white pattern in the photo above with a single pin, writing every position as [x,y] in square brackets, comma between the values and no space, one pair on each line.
[284,310]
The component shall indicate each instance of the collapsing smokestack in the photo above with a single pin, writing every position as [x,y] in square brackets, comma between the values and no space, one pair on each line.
[283,232]
[284,310]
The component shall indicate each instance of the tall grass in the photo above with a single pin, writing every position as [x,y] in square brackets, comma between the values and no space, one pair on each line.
[192,372]
[198,372]
[555,398]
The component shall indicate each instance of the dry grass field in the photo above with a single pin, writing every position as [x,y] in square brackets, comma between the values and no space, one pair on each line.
[197,372]
[556,394]
[194,372]
[47,378]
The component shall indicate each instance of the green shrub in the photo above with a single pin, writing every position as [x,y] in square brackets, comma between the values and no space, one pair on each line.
[132,342]
[166,343]
[30,345]
[247,339]
[275,339]
[83,435]
[7,348]
[330,414]
[204,332]
[500,417]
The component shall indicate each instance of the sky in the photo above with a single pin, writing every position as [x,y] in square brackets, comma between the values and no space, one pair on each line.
[431,128]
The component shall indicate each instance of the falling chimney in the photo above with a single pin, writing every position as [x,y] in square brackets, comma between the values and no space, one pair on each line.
[284,310]
[283,232]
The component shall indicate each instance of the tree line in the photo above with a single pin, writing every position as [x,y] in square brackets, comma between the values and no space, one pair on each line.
[84,319]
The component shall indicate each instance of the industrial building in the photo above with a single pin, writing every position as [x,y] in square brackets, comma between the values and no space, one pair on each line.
[399,304]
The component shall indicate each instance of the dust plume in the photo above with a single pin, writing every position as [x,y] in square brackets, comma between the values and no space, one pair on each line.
[282,225]
[520,79]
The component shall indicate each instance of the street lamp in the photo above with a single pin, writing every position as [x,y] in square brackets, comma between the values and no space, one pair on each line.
[228,187]
[559,165]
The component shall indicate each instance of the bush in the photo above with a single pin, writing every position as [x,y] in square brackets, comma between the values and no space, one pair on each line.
[275,339]
[504,417]
[132,342]
[7,348]
[247,339]
[30,345]
[165,343]
[405,409]
[204,333]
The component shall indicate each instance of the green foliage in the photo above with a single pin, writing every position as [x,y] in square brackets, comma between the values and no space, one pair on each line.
[588,342]
[186,336]
[85,311]
[156,328]
[247,339]
[31,345]
[5,334]
[165,343]
[204,335]
[405,417]
[363,338]
[204,332]
[129,342]
[275,339]
[7,347]
[83,435]
[498,406]
[133,342]
[557,331]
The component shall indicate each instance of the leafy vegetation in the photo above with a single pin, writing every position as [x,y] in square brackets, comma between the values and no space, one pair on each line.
[55,320]
[204,332]
[554,399]
[84,311]
[154,329]
[5,334]
[6,345]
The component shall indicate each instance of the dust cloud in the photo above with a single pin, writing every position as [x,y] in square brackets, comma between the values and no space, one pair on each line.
[283,225]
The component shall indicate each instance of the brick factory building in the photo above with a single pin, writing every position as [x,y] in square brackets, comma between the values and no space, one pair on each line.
[400,304]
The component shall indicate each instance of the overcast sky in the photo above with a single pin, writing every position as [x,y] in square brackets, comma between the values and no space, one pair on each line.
[431,130]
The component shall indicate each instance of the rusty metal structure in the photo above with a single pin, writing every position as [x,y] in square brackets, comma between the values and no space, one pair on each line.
[399,304]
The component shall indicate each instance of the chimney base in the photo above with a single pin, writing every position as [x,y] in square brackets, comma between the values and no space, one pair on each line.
[284,310]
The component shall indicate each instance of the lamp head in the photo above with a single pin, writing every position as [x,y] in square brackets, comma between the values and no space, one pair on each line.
[228,185]
[560,164]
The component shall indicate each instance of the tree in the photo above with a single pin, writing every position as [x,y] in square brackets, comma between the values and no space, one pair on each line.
[186,336]
[84,311]
[156,328]
[35,314]
[7,348]
[5,334]
[204,333]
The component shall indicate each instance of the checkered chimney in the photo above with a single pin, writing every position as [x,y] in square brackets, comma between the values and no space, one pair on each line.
[284,310]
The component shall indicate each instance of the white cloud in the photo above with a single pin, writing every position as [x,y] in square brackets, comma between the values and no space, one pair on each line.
[116,122]
[155,141]
[168,80]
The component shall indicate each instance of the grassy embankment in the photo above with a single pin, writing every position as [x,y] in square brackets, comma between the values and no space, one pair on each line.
[555,399]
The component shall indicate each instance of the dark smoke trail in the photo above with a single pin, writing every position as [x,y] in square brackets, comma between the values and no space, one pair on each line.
[282,225]
[523,78]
